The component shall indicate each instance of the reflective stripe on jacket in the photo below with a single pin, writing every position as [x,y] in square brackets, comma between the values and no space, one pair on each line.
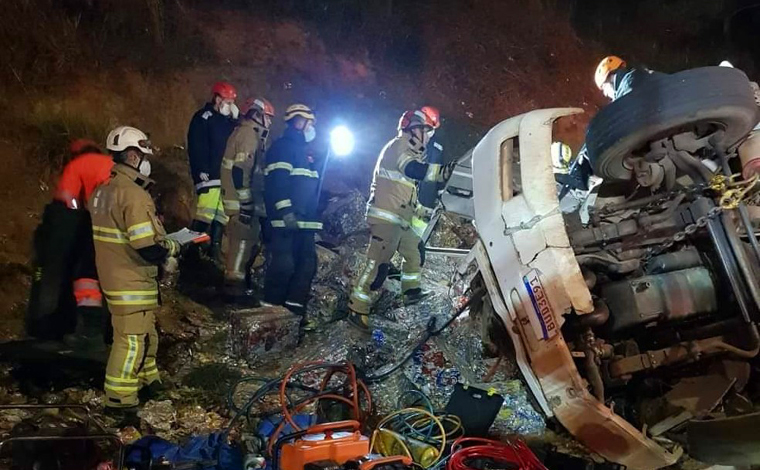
[123,221]
[393,196]
[242,171]
[291,182]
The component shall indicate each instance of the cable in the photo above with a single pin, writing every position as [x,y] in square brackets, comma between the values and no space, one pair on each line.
[430,331]
[514,452]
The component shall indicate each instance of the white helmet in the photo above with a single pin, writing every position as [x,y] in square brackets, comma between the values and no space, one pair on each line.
[124,137]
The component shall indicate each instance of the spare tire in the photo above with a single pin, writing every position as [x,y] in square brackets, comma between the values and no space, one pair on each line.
[664,105]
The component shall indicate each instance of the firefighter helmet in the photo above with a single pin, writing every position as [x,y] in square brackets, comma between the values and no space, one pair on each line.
[434,116]
[124,137]
[225,90]
[608,65]
[419,118]
[299,110]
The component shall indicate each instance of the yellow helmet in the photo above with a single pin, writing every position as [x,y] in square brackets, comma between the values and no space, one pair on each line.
[562,155]
[608,65]
[299,110]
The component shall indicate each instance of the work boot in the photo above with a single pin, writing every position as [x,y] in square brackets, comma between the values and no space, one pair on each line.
[307,324]
[155,390]
[413,296]
[126,416]
[235,293]
[88,336]
[358,321]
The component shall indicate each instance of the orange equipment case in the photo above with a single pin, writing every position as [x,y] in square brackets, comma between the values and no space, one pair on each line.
[320,442]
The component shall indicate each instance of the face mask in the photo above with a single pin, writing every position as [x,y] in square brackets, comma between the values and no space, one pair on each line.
[144,168]
[225,109]
[309,133]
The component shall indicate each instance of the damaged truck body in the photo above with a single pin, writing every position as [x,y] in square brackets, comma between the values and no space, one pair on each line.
[636,328]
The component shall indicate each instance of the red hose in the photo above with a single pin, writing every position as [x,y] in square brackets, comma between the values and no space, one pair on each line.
[352,399]
[515,452]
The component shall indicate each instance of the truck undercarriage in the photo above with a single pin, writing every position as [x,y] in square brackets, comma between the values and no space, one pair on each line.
[633,316]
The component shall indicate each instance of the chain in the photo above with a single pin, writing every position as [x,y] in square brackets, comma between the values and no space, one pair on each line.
[688,231]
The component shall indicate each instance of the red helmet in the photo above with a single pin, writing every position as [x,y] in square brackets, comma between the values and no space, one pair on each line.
[434,116]
[78,146]
[225,90]
[261,105]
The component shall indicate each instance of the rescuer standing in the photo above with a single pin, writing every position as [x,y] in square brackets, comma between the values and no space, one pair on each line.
[130,246]
[207,138]
[65,274]
[291,203]
[391,208]
[242,176]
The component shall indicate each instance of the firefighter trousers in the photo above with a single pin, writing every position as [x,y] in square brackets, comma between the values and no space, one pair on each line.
[291,266]
[132,362]
[209,209]
[243,244]
[385,240]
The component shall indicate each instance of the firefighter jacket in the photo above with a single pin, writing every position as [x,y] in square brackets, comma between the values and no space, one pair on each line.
[206,142]
[393,196]
[80,177]
[242,172]
[291,182]
[124,228]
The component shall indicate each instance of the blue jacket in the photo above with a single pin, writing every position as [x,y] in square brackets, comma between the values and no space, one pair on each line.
[206,141]
[291,182]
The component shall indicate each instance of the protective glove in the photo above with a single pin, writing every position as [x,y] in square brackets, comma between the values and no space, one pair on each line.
[245,216]
[447,171]
[170,266]
[291,221]
[421,247]
[204,176]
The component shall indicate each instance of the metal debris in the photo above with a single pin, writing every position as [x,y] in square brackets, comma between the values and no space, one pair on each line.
[260,331]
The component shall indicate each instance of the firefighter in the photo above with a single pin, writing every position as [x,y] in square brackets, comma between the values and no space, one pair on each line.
[66,280]
[130,247]
[291,185]
[615,78]
[207,138]
[391,209]
[242,176]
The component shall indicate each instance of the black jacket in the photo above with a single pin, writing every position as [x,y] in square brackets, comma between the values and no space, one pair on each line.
[206,141]
[625,80]
[291,181]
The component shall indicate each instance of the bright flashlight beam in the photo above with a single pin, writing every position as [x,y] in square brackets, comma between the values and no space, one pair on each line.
[341,141]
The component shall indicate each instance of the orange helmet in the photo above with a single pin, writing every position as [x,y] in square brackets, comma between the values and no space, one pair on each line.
[434,116]
[225,90]
[78,146]
[608,65]
[261,105]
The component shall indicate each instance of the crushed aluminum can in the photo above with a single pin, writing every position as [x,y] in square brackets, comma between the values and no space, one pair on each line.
[256,332]
[159,415]
[344,216]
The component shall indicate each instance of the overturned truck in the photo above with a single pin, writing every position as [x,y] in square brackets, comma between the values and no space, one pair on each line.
[636,330]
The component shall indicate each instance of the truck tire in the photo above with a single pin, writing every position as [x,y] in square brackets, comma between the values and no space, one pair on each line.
[708,97]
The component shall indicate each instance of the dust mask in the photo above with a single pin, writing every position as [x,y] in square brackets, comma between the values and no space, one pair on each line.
[225,109]
[144,168]
[309,133]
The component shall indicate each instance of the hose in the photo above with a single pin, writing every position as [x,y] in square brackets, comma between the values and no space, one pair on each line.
[514,454]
